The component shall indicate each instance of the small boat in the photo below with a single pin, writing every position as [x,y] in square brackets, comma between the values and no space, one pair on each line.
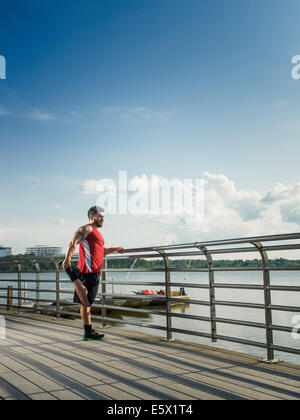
[159,297]
[129,303]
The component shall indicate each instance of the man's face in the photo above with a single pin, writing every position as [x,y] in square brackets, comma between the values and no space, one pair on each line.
[98,219]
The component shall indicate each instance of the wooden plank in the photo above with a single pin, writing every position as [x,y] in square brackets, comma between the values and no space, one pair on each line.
[232,386]
[115,373]
[45,383]
[21,384]
[186,390]
[272,384]
[4,369]
[40,358]
[8,392]
[77,376]
[43,396]
[67,395]
[115,393]
[135,390]
[204,361]
[122,369]
[165,366]
[95,372]
[12,364]
[166,393]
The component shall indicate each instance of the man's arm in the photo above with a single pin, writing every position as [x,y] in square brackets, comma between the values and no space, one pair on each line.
[108,251]
[80,235]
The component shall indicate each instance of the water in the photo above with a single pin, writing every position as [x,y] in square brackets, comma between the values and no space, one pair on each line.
[291,278]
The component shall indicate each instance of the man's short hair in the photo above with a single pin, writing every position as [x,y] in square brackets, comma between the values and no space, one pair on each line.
[94,210]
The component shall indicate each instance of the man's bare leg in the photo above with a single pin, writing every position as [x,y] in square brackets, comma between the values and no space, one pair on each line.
[86,316]
[85,309]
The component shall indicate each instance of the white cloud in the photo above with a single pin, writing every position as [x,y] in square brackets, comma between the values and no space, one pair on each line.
[59,222]
[231,212]
[94,187]
[286,199]
[282,192]
[41,116]
[156,195]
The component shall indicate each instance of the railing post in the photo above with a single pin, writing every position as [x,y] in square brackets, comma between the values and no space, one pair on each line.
[38,286]
[103,294]
[267,302]
[212,295]
[10,294]
[19,287]
[25,293]
[168,296]
[57,289]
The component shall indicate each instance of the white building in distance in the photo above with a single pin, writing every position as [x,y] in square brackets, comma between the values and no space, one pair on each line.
[44,251]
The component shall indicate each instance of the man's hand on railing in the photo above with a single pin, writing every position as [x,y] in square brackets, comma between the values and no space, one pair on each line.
[108,251]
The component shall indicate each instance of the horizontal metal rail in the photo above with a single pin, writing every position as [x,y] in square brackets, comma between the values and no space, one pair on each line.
[197,251]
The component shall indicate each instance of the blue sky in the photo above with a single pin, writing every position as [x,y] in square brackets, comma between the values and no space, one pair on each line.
[157,87]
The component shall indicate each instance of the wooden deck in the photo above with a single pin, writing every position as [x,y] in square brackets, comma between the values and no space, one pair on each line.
[44,358]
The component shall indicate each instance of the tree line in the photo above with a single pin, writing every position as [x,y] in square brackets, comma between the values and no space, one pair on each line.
[28,264]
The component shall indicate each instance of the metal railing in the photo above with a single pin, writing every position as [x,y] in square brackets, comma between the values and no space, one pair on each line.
[262,245]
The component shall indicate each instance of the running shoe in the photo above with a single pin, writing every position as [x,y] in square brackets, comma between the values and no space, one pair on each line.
[93,336]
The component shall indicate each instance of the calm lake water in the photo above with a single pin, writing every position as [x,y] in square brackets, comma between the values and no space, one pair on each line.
[244,314]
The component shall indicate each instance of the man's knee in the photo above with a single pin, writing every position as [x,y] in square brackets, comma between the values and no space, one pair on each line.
[86,306]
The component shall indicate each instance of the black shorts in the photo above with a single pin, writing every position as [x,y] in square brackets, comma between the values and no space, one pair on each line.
[91,282]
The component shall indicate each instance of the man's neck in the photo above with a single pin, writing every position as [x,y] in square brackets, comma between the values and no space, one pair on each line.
[94,226]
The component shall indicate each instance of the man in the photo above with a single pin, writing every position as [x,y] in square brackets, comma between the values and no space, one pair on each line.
[91,253]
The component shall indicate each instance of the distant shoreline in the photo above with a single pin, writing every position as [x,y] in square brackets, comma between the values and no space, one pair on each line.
[144,263]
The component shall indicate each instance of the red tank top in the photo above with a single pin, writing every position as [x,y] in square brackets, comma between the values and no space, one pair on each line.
[91,253]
